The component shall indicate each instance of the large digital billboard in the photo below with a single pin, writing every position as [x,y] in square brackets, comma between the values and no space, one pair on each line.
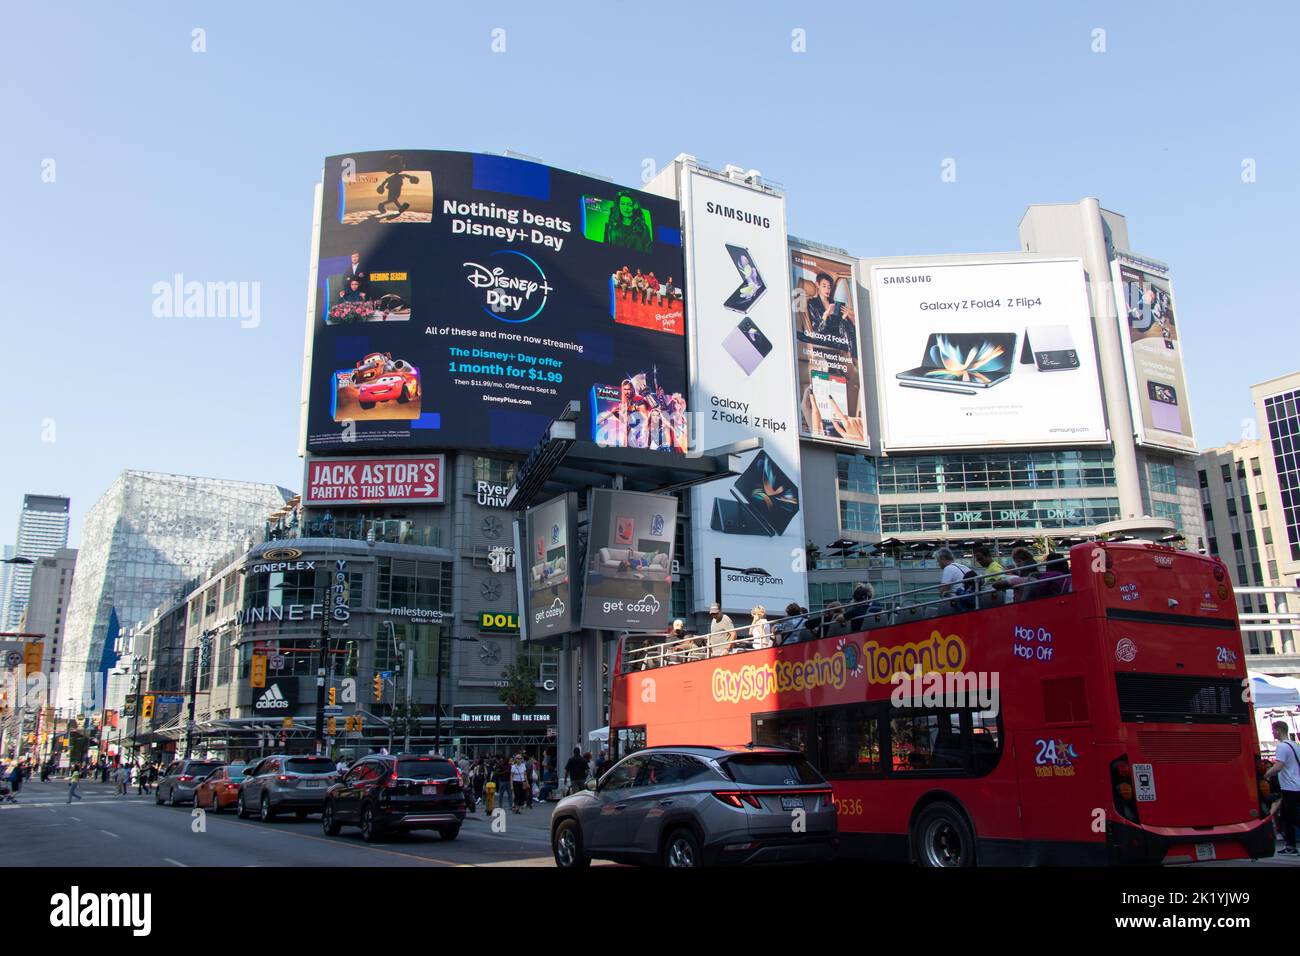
[744,387]
[548,568]
[973,354]
[824,301]
[630,543]
[1153,358]
[462,299]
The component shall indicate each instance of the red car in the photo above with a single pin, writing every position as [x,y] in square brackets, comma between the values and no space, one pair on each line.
[399,385]
[220,789]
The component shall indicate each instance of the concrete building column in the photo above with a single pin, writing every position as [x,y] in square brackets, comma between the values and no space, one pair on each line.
[1096,261]
[591,701]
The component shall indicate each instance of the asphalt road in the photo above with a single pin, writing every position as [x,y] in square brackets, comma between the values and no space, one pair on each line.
[103,829]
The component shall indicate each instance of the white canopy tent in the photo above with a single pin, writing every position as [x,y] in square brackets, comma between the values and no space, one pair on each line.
[1275,698]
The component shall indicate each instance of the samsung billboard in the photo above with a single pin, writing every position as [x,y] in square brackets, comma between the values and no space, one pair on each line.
[744,386]
[974,354]
[462,299]
[1153,356]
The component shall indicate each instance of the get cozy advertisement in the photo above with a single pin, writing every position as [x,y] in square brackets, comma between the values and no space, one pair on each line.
[462,299]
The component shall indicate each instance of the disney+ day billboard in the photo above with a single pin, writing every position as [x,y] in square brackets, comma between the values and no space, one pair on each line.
[462,299]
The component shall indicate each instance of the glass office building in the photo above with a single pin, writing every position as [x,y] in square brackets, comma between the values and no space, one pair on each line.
[42,530]
[143,539]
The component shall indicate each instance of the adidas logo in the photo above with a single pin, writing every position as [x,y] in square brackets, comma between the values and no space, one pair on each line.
[273,699]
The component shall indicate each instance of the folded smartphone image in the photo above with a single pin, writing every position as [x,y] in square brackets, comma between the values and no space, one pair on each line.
[1164,407]
[961,361]
[1049,348]
[747,344]
[751,286]
[764,501]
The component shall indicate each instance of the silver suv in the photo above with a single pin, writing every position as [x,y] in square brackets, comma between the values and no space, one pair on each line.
[698,806]
[281,782]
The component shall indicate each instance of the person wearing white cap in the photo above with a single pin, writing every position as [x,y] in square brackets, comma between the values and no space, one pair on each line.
[721,631]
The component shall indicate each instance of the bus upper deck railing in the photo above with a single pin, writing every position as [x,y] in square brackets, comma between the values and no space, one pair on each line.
[857,616]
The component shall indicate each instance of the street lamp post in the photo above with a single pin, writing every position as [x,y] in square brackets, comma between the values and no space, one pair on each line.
[205,641]
[719,567]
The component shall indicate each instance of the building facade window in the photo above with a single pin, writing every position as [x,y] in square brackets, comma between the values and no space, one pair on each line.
[998,515]
[857,473]
[423,585]
[1163,477]
[860,516]
[494,471]
[1282,412]
[1088,468]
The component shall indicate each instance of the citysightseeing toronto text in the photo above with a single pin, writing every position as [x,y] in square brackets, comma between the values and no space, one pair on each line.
[876,663]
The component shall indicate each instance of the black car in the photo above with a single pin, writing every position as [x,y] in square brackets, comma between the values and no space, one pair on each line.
[383,793]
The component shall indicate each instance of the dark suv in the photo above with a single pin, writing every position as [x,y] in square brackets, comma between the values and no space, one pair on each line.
[386,792]
[179,780]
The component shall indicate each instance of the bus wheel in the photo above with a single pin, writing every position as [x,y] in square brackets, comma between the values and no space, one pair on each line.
[941,837]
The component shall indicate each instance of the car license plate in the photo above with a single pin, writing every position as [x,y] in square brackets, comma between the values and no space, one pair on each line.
[792,803]
[314,784]
[1205,851]
[429,789]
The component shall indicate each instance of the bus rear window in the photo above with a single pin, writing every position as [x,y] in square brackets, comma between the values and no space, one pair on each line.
[1174,698]
[772,770]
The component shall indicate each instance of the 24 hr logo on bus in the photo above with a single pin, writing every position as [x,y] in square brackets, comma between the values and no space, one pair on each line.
[1054,757]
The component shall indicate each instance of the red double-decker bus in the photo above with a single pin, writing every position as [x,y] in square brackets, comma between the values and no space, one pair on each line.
[1120,730]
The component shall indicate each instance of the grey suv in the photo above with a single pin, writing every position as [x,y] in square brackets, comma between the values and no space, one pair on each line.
[177,783]
[286,782]
[698,806]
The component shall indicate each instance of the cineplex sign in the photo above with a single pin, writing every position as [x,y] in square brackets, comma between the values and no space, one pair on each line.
[406,480]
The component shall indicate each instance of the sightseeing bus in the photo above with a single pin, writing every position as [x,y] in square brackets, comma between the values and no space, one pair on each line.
[1106,722]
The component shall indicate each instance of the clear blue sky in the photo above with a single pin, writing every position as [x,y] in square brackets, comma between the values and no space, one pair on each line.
[170,161]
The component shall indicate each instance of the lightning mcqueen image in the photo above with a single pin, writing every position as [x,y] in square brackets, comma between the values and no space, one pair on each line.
[399,385]
[378,378]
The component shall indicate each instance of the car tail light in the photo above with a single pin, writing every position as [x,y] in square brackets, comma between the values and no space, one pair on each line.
[282,777]
[1218,572]
[184,777]
[1121,778]
[232,786]
[737,798]
[391,780]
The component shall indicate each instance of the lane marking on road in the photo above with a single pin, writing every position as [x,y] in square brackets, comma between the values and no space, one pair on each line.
[168,859]
[335,843]
[111,833]
[74,819]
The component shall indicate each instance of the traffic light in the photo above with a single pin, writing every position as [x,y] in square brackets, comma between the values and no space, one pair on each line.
[378,687]
[258,676]
[32,655]
[331,726]
[333,694]
[146,708]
